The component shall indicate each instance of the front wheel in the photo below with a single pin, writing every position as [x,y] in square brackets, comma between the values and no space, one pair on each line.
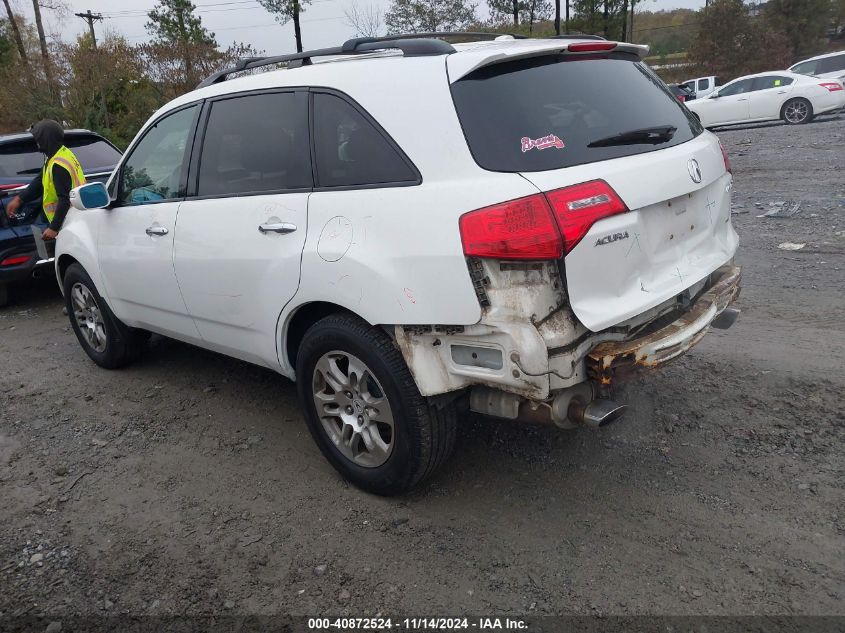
[364,410]
[797,111]
[107,341]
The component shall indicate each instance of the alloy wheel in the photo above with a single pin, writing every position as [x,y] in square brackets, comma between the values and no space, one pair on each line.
[796,112]
[353,409]
[88,317]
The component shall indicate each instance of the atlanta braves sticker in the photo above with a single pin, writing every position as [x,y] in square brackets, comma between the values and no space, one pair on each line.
[541,143]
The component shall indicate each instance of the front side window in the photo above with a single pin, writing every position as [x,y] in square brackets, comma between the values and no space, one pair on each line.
[255,143]
[350,150]
[805,68]
[736,88]
[770,81]
[153,171]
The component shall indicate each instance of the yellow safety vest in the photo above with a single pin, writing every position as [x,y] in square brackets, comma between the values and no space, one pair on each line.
[65,158]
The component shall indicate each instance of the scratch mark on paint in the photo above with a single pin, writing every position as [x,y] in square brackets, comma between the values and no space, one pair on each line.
[409,293]
[679,275]
[400,305]
[636,243]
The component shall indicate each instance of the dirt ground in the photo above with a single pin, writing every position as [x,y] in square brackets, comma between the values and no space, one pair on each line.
[188,483]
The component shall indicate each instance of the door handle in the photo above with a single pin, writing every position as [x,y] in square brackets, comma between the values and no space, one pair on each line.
[743,99]
[781,92]
[156,230]
[277,227]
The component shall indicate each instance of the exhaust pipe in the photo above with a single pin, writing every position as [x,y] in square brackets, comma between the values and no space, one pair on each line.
[597,413]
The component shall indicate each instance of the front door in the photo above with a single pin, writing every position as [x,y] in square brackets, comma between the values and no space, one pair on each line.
[731,106]
[239,236]
[136,237]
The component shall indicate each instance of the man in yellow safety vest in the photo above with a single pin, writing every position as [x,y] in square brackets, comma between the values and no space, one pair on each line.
[61,173]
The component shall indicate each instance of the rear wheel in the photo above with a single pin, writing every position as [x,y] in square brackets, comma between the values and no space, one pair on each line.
[797,111]
[364,410]
[107,341]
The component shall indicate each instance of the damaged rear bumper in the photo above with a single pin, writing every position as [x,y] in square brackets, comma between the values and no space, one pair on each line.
[611,361]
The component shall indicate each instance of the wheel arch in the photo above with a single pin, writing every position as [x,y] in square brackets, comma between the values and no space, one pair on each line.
[297,323]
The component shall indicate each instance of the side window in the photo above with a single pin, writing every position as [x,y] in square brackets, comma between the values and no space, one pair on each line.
[832,64]
[153,171]
[805,68]
[736,88]
[350,151]
[703,84]
[690,85]
[770,81]
[255,143]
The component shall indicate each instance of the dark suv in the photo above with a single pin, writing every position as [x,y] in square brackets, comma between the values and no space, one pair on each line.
[20,162]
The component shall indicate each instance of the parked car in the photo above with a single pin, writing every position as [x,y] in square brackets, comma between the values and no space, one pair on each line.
[829,66]
[20,161]
[682,92]
[483,226]
[768,97]
[702,86]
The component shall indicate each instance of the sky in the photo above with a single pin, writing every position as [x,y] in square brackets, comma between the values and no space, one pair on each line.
[323,22]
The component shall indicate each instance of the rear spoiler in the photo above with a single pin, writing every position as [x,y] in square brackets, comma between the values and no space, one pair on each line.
[467,61]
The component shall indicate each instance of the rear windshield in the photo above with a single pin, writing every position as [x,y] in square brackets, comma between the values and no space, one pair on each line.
[22,158]
[542,113]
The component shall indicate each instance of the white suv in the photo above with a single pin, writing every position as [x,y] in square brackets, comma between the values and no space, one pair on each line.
[409,229]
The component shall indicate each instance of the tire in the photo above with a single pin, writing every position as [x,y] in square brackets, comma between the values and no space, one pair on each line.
[372,454]
[4,295]
[797,111]
[107,341]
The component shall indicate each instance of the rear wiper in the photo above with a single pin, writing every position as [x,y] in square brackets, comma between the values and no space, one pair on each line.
[653,135]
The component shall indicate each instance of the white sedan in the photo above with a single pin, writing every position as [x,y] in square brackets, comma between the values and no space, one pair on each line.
[767,97]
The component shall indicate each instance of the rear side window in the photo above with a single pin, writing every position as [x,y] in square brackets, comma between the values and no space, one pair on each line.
[545,112]
[350,151]
[20,160]
[93,153]
[703,84]
[832,64]
[255,143]
[770,81]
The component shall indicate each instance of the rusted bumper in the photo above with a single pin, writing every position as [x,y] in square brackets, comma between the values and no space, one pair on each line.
[611,361]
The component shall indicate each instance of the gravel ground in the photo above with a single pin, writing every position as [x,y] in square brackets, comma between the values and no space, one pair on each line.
[188,483]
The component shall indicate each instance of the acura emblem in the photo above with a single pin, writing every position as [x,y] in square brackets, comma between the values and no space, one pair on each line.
[694,170]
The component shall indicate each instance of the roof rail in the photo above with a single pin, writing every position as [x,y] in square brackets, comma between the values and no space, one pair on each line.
[578,37]
[411,46]
[440,35]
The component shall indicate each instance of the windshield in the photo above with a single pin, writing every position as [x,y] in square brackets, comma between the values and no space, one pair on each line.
[22,159]
[545,112]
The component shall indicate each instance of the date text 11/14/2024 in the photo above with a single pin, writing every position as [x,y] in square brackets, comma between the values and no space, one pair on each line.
[417,624]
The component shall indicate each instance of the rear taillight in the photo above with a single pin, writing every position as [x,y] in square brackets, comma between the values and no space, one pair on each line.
[590,47]
[519,229]
[832,86]
[681,98]
[15,261]
[725,158]
[6,187]
[578,207]
[542,226]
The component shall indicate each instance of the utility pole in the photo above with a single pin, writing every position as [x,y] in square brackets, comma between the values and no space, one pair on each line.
[90,18]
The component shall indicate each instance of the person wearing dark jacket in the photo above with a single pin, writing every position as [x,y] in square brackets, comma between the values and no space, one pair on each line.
[61,173]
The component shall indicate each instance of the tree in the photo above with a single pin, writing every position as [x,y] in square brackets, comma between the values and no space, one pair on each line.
[285,11]
[16,33]
[519,11]
[174,25]
[366,20]
[418,16]
[730,43]
[802,21]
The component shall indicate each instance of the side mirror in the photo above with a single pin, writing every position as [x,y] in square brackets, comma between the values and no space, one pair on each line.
[89,196]
[715,95]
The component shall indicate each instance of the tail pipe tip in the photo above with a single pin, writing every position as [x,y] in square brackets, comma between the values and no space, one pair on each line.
[596,413]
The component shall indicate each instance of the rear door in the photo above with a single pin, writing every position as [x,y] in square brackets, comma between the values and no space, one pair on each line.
[559,122]
[240,234]
[767,94]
